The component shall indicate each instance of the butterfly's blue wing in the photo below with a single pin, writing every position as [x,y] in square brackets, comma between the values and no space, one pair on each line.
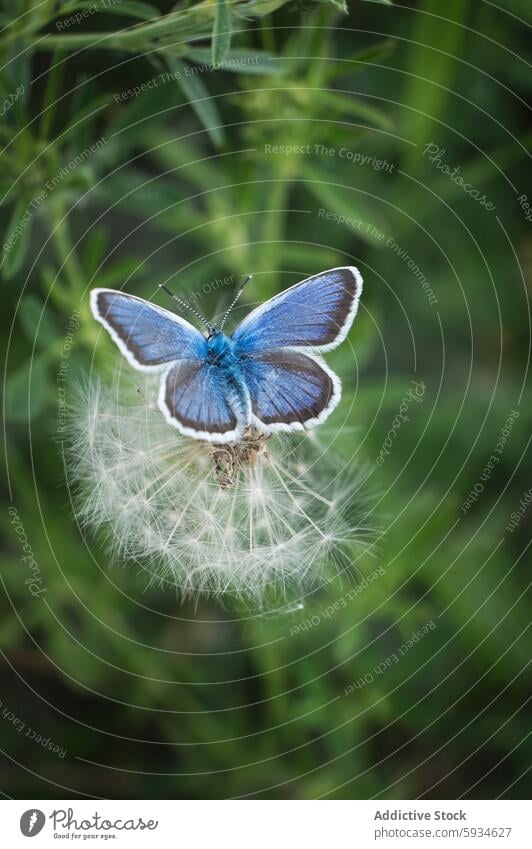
[197,398]
[289,390]
[280,388]
[316,313]
[148,336]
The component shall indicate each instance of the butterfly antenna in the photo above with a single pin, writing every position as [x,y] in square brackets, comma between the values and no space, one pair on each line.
[207,324]
[235,299]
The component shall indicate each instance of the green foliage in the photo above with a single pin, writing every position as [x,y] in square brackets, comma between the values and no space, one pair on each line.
[221,33]
[183,144]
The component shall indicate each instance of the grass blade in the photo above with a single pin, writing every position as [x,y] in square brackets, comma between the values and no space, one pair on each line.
[221,33]
[199,98]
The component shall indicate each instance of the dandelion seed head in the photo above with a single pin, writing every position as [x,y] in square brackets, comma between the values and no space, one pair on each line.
[156,495]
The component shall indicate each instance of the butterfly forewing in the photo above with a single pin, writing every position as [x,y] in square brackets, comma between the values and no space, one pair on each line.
[150,337]
[316,313]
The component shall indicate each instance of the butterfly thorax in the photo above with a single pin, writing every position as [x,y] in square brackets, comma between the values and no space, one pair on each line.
[221,351]
[222,356]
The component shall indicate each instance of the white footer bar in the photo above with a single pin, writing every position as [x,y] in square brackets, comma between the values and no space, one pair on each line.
[267,824]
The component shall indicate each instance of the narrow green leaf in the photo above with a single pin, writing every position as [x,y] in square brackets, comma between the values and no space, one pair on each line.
[16,239]
[221,33]
[199,98]
[240,61]
[259,8]
[130,8]
[53,87]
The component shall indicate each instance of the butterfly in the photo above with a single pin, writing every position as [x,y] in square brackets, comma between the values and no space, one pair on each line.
[268,375]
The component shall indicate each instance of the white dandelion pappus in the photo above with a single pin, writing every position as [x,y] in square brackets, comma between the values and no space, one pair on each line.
[280,526]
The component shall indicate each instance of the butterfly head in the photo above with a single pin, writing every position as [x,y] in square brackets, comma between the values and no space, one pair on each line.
[214,332]
[220,346]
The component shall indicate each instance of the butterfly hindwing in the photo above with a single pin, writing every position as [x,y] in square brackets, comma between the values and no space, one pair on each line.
[196,398]
[149,336]
[290,390]
[316,313]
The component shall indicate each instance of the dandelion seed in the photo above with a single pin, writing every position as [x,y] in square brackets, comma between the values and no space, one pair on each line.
[238,520]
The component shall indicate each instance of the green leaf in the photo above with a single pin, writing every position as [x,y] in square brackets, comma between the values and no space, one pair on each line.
[221,33]
[199,98]
[17,239]
[240,61]
[36,322]
[131,8]
[259,8]
[28,390]
[54,80]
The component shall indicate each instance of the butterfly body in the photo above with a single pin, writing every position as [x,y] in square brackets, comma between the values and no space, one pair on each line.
[268,375]
[227,365]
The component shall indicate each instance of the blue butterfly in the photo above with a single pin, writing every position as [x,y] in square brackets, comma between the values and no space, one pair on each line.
[267,375]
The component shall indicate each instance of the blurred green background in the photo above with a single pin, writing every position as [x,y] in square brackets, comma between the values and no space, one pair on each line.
[138,147]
